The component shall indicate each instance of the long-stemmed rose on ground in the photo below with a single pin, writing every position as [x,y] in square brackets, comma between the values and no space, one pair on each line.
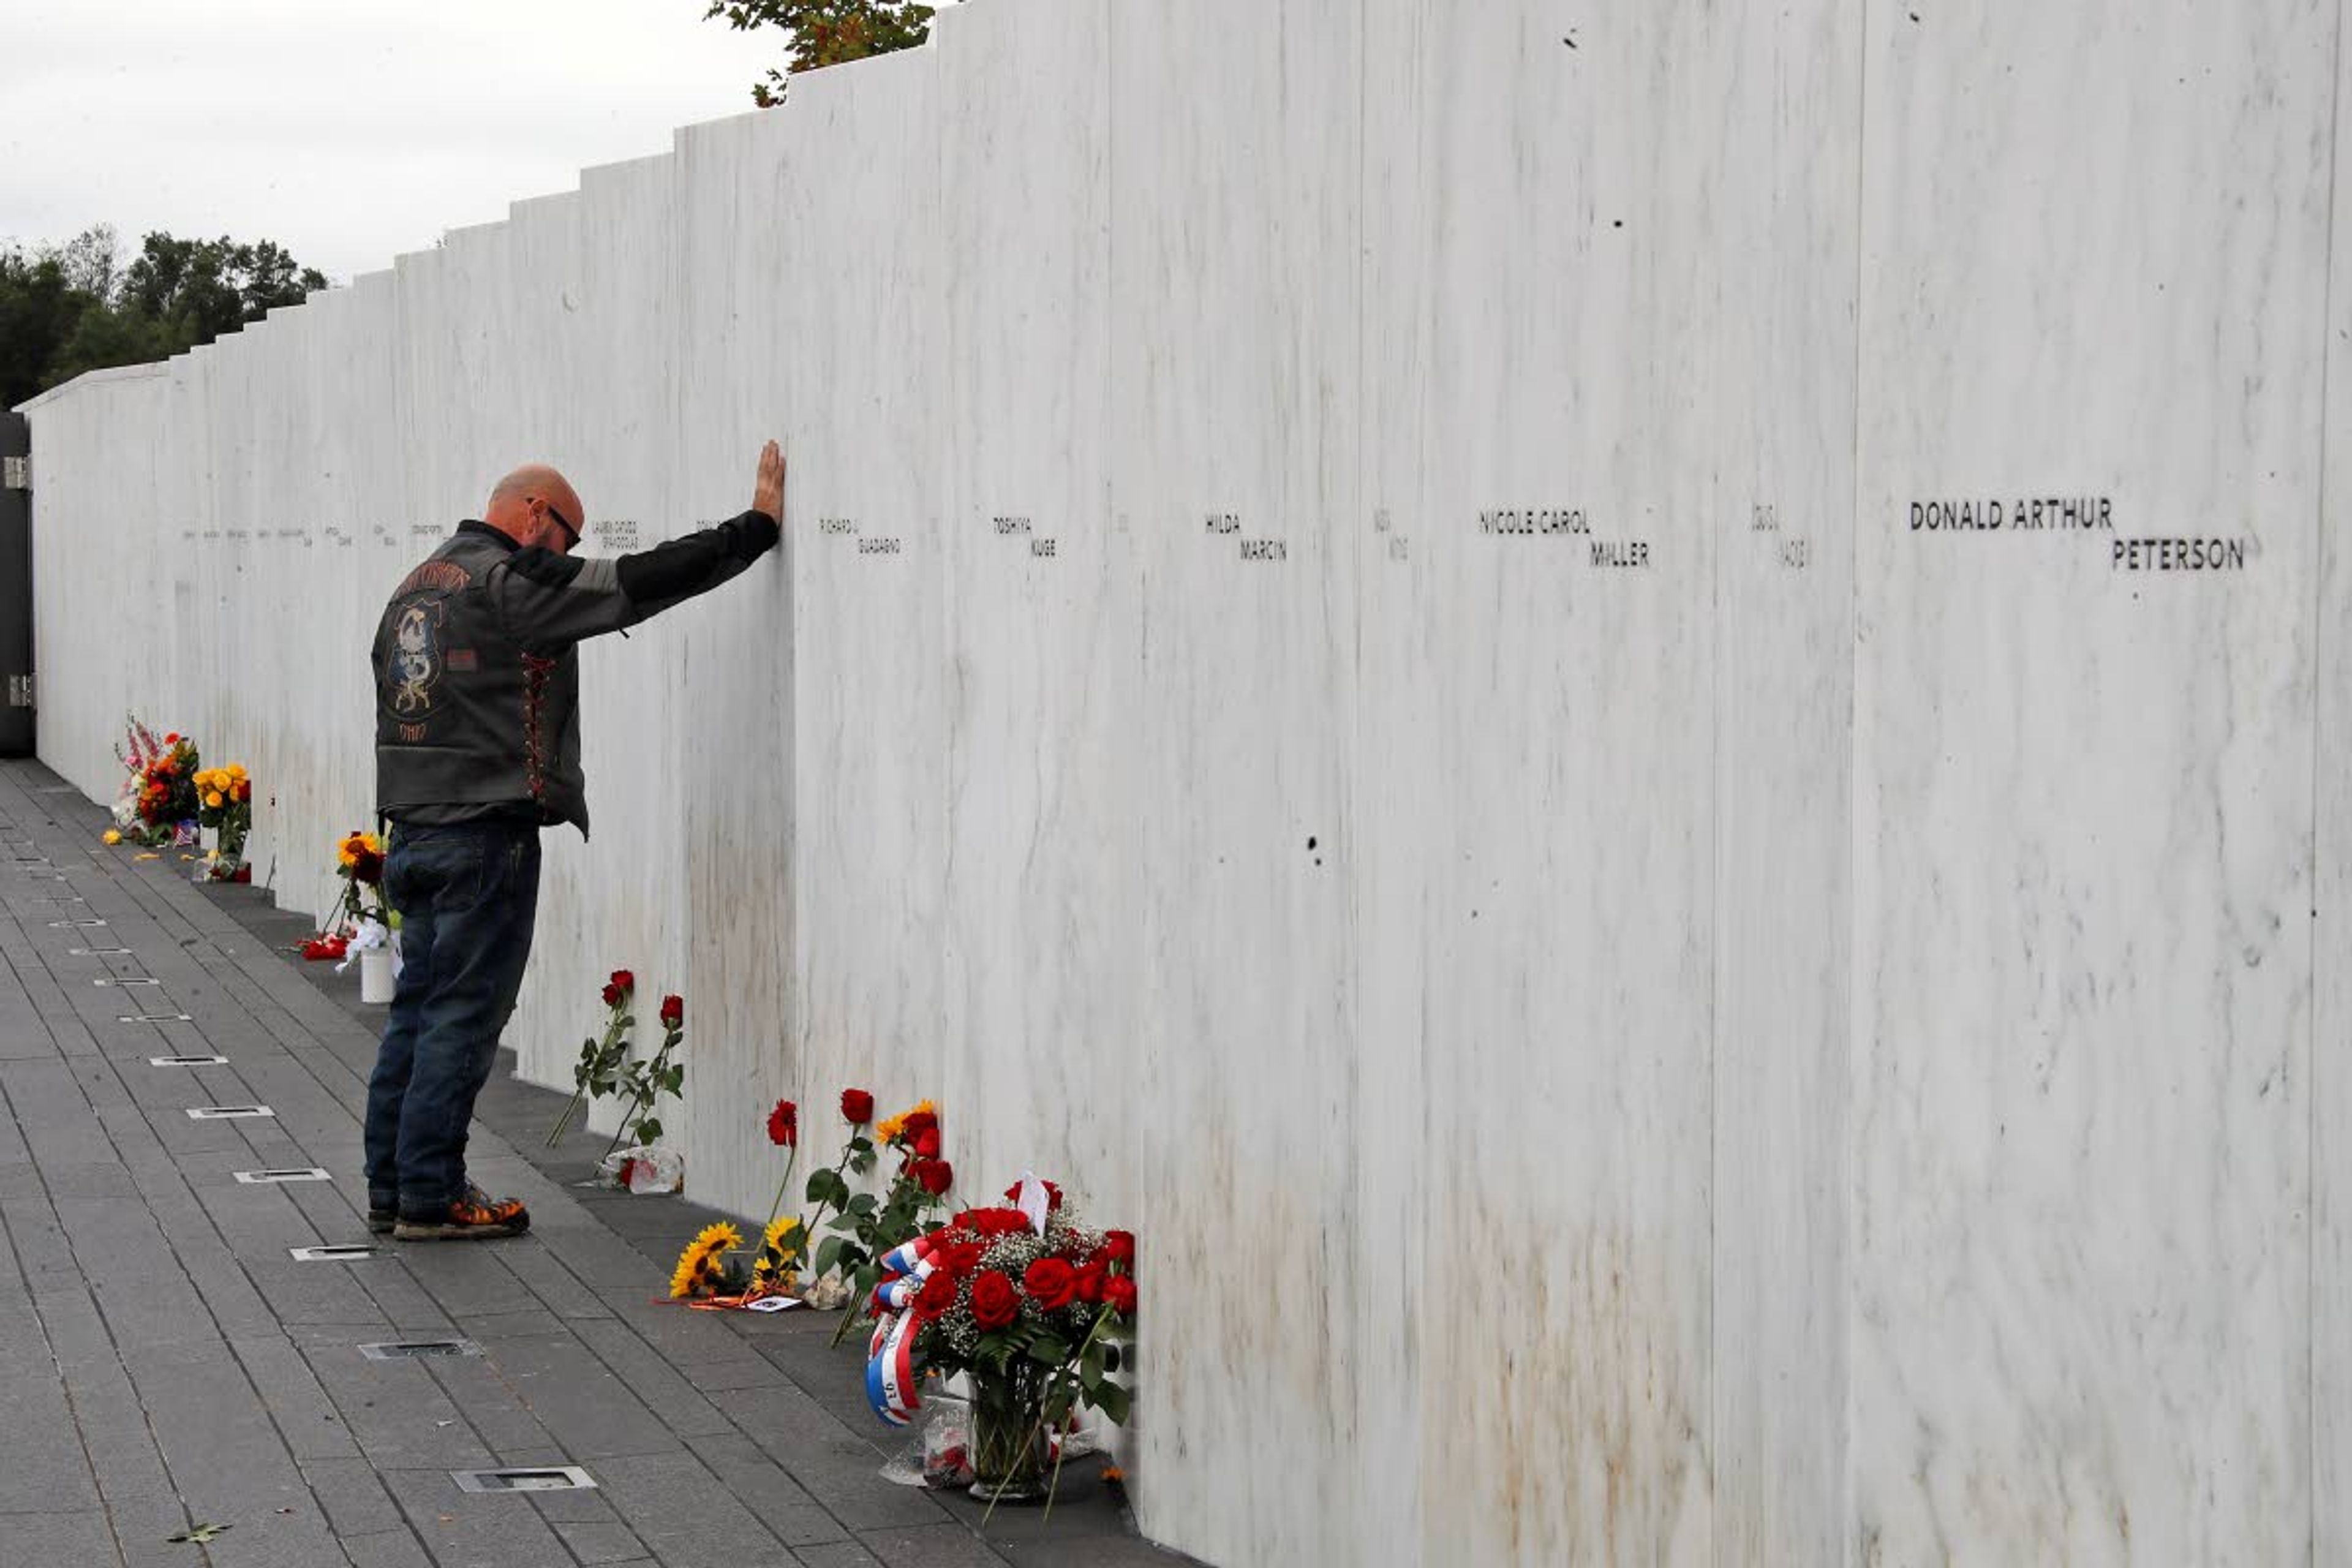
[868,1227]
[832,1186]
[597,1072]
[784,1132]
[645,1081]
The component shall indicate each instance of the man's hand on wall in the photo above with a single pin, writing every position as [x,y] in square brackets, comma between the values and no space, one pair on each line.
[768,490]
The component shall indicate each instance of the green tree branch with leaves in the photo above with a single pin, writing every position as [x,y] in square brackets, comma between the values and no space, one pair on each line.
[825,33]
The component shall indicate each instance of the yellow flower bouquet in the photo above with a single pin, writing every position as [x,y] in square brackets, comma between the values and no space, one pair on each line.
[225,803]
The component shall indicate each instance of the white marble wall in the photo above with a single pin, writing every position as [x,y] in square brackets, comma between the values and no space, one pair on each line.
[1728,1031]
[2080,1108]
[2327,1074]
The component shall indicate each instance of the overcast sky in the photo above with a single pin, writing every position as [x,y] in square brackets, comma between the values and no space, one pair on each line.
[346,131]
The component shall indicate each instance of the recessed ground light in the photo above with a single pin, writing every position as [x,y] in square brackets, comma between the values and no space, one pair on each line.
[153,1018]
[76,925]
[341,1252]
[135,980]
[97,951]
[418,1349]
[272,1178]
[547,1478]
[187,1061]
[227,1112]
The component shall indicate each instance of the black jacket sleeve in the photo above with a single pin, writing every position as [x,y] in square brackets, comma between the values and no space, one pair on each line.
[550,601]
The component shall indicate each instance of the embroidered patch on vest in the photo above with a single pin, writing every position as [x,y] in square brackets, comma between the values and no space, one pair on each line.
[442,576]
[417,658]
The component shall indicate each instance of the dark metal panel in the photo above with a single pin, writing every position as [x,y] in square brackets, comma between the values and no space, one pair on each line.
[17,686]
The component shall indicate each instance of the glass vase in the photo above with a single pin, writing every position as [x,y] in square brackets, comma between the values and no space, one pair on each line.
[1008,1443]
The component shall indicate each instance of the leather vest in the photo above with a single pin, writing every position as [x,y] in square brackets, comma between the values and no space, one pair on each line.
[465,716]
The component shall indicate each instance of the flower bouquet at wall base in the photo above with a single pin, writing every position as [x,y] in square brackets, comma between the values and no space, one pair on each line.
[711,1276]
[361,923]
[1033,1308]
[868,1227]
[157,806]
[224,805]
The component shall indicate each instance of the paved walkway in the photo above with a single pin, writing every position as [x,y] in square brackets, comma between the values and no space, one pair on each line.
[167,1364]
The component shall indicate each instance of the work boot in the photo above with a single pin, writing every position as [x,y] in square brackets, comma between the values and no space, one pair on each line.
[472,1217]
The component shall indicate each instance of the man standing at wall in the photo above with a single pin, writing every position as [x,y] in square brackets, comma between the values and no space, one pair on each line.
[477,749]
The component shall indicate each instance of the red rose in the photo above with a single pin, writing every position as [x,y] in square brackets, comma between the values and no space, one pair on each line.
[784,1124]
[856,1107]
[673,1011]
[919,1122]
[1090,1281]
[934,1176]
[937,1294]
[994,1301]
[613,994]
[995,1222]
[957,1257]
[1051,1283]
[926,1143]
[1118,1247]
[1119,1295]
[171,737]
[623,981]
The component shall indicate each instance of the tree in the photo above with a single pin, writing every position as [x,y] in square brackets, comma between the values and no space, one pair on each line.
[825,33]
[69,309]
[202,289]
[39,308]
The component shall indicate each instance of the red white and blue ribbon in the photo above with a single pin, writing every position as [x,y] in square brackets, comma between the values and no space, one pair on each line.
[891,1385]
[891,1381]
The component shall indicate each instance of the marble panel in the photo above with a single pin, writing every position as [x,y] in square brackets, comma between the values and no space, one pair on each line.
[589,287]
[740,270]
[2329,1076]
[1045,622]
[96,604]
[829,340]
[1542,478]
[2093,266]
[1393,789]
[1232,398]
[1776,398]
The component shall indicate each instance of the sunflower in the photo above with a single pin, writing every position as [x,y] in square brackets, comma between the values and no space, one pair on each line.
[698,1268]
[888,1129]
[776,1249]
[357,844]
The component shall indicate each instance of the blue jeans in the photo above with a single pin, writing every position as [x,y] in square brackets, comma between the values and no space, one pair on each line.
[468,899]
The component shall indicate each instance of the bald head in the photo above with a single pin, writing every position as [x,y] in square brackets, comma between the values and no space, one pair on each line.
[525,504]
